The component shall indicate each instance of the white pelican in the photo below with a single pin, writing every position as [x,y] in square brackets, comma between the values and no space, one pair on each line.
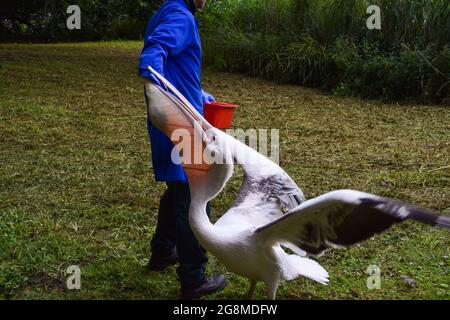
[270,211]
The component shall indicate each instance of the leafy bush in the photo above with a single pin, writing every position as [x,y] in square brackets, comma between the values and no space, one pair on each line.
[325,43]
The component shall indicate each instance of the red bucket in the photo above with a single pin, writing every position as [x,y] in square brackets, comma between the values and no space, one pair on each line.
[219,114]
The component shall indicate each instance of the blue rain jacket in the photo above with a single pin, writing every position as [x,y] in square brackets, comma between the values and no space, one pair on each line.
[172,47]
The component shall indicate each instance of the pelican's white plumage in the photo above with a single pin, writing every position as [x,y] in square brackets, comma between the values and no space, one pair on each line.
[270,211]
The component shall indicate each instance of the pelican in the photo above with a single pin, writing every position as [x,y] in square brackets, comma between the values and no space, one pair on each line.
[270,213]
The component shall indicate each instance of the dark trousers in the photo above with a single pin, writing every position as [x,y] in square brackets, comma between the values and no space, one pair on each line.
[173,230]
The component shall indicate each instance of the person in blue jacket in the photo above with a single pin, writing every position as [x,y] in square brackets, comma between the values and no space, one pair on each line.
[172,47]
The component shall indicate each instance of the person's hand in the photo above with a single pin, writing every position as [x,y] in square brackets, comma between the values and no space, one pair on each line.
[207,98]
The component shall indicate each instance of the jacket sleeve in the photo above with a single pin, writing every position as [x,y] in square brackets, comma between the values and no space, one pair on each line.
[170,37]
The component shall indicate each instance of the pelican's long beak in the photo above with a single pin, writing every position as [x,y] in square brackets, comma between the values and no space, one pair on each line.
[171,112]
[169,109]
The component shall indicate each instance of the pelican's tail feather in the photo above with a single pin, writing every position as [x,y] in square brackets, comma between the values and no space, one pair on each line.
[295,266]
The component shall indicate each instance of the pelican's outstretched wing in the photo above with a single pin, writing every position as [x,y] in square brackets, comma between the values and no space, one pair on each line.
[263,198]
[266,193]
[342,218]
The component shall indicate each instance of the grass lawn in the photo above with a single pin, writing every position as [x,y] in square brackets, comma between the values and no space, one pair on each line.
[76,186]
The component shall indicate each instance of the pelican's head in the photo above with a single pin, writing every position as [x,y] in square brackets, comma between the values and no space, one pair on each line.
[218,158]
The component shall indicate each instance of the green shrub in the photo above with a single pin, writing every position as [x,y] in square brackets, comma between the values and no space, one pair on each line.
[325,43]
